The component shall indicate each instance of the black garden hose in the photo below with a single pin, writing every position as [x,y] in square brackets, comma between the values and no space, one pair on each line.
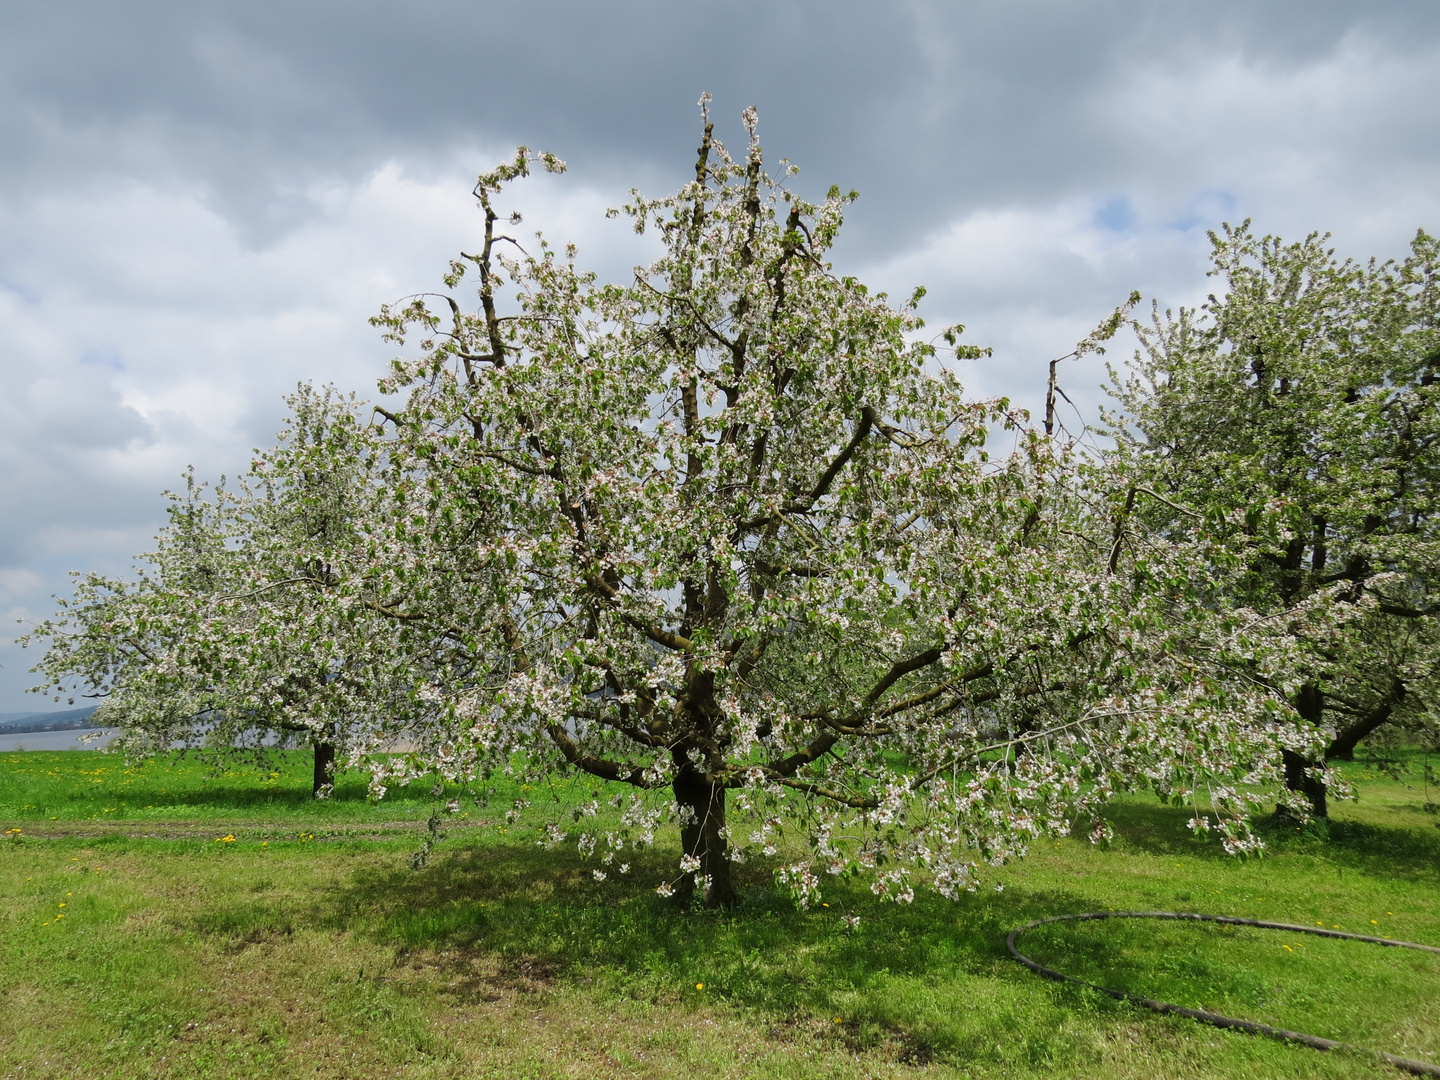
[1418,1068]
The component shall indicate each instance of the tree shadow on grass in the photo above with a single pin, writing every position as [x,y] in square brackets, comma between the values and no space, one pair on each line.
[100,782]
[912,983]
[1378,850]
[493,918]
[524,906]
[1154,828]
[499,916]
[1375,850]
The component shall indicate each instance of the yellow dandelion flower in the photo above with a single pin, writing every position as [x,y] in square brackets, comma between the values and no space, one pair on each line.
[699,986]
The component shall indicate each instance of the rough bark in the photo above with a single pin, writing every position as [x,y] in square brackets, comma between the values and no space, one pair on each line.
[702,835]
[1310,704]
[324,766]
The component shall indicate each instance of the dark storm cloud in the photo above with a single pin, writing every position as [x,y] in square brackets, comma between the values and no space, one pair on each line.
[924,106]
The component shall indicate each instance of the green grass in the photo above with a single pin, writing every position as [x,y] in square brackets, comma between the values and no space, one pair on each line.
[307,947]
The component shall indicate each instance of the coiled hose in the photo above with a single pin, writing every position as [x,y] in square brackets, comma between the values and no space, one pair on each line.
[1418,1068]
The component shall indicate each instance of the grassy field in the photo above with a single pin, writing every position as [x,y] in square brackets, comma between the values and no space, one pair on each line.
[164,921]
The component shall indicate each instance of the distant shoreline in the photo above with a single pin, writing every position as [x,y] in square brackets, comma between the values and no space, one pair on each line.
[54,740]
[30,723]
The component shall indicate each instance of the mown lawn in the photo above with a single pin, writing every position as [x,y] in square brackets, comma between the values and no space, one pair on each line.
[136,940]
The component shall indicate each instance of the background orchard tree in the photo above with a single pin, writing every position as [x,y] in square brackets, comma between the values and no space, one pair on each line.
[232,639]
[730,537]
[1300,404]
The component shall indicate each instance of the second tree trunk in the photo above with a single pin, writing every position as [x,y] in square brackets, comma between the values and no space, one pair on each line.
[702,836]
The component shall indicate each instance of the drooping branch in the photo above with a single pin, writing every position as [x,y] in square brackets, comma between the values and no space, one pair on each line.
[856,802]
[1004,744]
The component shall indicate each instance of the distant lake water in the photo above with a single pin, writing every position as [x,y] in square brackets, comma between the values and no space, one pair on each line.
[51,740]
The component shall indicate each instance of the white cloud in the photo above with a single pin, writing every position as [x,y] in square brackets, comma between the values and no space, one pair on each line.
[17,582]
[1031,281]
[1348,141]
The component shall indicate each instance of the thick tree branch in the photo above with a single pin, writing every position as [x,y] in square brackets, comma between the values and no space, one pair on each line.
[822,486]
[899,670]
[655,634]
[980,671]
[606,770]
[1406,612]
[630,731]
[825,740]
[1344,743]
[788,766]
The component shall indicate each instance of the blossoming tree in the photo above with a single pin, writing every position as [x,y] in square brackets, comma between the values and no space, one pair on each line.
[731,539]
[1301,404]
[230,639]
[731,532]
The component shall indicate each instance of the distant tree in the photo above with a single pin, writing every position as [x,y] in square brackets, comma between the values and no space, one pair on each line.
[1300,406]
[731,538]
[227,640]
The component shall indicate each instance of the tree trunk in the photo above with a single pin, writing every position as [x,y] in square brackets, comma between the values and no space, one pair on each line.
[324,767]
[702,835]
[1310,704]
[1297,778]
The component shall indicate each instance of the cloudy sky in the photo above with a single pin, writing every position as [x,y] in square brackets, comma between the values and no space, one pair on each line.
[202,203]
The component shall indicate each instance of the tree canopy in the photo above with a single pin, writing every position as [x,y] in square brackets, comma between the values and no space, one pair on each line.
[1300,403]
[228,639]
